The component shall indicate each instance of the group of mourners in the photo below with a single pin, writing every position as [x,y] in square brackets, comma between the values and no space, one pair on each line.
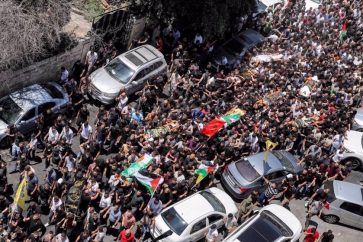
[303,100]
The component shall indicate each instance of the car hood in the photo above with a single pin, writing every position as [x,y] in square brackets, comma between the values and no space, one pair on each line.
[105,82]
[358,118]
[161,227]
[353,142]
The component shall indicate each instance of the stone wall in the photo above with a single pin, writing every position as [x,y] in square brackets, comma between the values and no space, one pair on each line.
[42,71]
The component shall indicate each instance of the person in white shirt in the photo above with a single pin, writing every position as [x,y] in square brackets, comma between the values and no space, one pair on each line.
[86,132]
[61,237]
[64,75]
[122,101]
[70,162]
[91,59]
[212,234]
[105,201]
[67,134]
[198,39]
[52,135]
[55,203]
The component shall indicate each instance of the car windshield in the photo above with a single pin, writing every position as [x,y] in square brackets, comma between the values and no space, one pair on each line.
[9,111]
[246,170]
[234,46]
[174,221]
[283,157]
[316,1]
[52,90]
[266,228]
[119,70]
[216,204]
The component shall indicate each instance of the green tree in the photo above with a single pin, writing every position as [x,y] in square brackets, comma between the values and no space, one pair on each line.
[212,17]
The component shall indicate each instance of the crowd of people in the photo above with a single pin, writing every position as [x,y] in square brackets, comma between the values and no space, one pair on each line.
[321,52]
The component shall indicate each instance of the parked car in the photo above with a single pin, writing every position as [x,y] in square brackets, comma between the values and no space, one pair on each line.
[235,48]
[271,224]
[189,219]
[353,149]
[24,106]
[345,204]
[358,120]
[245,175]
[130,70]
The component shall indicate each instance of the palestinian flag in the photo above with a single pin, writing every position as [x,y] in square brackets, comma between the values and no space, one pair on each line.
[214,126]
[142,163]
[149,180]
[202,172]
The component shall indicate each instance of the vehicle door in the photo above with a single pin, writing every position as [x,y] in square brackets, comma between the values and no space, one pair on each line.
[137,82]
[276,177]
[42,108]
[27,122]
[198,230]
[351,214]
[216,219]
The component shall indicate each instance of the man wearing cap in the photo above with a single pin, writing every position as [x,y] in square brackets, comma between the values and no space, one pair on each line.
[212,234]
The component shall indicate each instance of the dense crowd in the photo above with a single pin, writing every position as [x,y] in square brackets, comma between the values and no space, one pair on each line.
[303,101]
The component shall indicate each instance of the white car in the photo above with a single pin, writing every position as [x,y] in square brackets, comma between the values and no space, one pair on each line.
[189,219]
[272,223]
[353,149]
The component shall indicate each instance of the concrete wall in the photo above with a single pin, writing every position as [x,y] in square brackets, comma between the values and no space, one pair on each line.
[43,71]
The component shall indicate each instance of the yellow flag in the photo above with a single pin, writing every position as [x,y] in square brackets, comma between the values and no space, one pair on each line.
[21,194]
[269,146]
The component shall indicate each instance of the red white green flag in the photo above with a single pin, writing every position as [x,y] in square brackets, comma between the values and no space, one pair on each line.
[149,180]
[202,172]
[215,125]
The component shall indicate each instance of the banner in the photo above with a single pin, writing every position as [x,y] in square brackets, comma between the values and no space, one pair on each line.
[167,128]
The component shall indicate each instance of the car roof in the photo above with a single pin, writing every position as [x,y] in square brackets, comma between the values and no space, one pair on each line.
[349,192]
[253,35]
[140,55]
[272,164]
[194,207]
[30,96]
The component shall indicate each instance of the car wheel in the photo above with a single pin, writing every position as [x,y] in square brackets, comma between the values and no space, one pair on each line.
[5,142]
[331,219]
[356,163]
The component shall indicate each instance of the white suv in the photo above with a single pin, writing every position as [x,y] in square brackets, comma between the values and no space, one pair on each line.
[130,70]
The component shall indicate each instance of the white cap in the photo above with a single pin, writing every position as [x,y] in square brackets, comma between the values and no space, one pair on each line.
[60,180]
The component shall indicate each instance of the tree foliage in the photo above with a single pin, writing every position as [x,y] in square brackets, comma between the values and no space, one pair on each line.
[212,17]
[30,29]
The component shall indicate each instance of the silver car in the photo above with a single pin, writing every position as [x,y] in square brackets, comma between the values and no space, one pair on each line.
[346,204]
[245,175]
[130,70]
[24,106]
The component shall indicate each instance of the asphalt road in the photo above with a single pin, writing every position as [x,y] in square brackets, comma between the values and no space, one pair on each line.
[342,233]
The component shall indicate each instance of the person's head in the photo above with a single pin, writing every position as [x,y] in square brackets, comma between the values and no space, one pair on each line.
[63,68]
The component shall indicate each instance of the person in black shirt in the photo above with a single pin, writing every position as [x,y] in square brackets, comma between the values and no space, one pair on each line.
[82,115]
[78,70]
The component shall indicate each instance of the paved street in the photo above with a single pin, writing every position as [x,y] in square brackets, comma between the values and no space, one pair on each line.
[342,233]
